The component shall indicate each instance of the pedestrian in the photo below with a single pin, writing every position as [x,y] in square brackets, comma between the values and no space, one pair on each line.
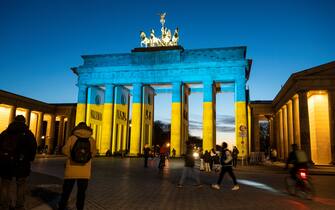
[227,166]
[207,158]
[212,154]
[235,155]
[162,153]
[79,149]
[173,153]
[17,151]
[146,152]
[189,170]
[274,155]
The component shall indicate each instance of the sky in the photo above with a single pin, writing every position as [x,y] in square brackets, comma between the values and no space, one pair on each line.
[40,40]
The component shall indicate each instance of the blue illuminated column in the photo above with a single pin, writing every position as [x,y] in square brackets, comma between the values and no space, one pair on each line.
[107,119]
[176,118]
[209,134]
[81,104]
[135,140]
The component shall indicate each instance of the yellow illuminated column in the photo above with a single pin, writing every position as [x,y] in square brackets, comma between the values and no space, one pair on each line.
[296,125]
[208,130]
[81,104]
[136,120]
[107,119]
[249,130]
[176,118]
[240,116]
[277,134]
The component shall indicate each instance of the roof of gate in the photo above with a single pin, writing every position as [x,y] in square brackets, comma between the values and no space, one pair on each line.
[150,56]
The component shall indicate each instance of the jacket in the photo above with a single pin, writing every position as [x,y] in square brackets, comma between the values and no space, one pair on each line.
[75,170]
[25,150]
[226,158]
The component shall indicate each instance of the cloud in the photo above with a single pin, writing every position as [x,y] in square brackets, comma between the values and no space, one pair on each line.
[225,119]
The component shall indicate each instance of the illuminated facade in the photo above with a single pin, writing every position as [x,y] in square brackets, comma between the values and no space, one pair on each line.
[107,83]
[301,113]
[50,123]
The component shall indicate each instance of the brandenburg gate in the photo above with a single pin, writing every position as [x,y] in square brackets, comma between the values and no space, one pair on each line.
[106,83]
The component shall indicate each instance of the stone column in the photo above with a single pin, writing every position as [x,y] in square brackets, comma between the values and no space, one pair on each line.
[28,114]
[285,129]
[290,122]
[136,120]
[241,115]
[281,135]
[208,124]
[60,140]
[52,134]
[304,123]
[255,140]
[176,118]
[39,128]
[331,101]
[81,104]
[296,124]
[107,119]
[12,114]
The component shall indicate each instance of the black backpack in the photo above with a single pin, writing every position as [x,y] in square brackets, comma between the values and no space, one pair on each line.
[81,151]
[9,147]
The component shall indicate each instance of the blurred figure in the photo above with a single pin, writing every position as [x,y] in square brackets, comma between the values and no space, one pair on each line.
[146,154]
[173,152]
[17,150]
[235,155]
[273,155]
[227,166]
[212,154]
[189,170]
[207,159]
[298,158]
[79,149]
[162,153]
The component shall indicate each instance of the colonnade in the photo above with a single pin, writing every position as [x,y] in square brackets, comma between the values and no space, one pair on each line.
[139,132]
[42,125]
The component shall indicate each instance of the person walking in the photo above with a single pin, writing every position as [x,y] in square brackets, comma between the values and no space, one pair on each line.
[146,152]
[79,149]
[212,155]
[235,155]
[17,151]
[227,166]
[189,170]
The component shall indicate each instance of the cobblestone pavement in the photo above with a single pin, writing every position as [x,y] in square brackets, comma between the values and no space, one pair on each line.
[126,184]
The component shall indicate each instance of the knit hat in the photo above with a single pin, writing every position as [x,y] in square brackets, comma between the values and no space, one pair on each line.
[20,118]
[82,125]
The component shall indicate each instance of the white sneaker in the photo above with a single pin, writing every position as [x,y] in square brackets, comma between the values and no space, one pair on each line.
[236,187]
[216,186]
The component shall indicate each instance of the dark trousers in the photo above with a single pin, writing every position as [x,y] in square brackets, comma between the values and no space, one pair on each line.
[146,161]
[228,169]
[67,189]
[6,197]
[234,162]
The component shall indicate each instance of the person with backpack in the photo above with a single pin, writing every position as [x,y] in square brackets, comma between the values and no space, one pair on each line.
[227,166]
[17,151]
[79,149]
[299,160]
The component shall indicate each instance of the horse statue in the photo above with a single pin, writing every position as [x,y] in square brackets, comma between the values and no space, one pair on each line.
[144,39]
[175,37]
[154,41]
